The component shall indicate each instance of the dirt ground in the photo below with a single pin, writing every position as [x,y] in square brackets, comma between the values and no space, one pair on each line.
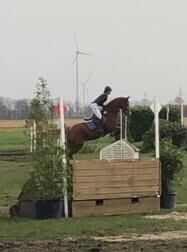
[163,241]
[157,242]
[173,215]
[6,124]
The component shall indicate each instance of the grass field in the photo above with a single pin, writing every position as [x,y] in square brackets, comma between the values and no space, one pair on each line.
[13,174]
[13,135]
[14,138]
[109,225]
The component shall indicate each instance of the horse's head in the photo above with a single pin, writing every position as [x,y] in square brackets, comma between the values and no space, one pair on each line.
[118,103]
[124,104]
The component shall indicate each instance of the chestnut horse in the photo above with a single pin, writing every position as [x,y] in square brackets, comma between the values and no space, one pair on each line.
[79,133]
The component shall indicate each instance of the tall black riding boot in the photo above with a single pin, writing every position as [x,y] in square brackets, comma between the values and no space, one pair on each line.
[99,125]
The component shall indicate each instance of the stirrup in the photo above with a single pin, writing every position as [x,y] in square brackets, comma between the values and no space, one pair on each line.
[88,118]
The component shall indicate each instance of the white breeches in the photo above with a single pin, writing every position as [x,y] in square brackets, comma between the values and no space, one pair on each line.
[96,110]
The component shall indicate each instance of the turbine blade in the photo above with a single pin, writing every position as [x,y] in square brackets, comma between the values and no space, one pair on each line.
[88,78]
[76,43]
[83,53]
[75,59]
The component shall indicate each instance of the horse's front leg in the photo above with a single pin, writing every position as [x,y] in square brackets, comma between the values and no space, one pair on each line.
[115,130]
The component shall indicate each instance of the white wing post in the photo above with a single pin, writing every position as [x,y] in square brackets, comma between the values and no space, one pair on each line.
[64,160]
[156,107]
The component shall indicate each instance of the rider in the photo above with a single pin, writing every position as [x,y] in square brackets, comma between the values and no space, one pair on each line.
[98,102]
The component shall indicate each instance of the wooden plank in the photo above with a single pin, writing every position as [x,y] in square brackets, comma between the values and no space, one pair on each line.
[124,189]
[120,170]
[115,206]
[117,189]
[93,164]
[97,161]
[116,178]
[113,171]
[97,179]
[113,195]
[108,165]
[129,182]
[131,165]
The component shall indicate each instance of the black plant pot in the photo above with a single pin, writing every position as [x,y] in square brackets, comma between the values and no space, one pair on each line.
[49,209]
[168,200]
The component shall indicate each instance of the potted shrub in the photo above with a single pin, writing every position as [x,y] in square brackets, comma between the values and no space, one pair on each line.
[172,166]
[48,169]
[48,174]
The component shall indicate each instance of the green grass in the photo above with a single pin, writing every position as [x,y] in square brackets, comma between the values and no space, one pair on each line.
[12,229]
[12,176]
[13,139]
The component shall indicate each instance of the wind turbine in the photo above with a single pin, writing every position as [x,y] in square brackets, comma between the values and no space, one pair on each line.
[84,90]
[76,59]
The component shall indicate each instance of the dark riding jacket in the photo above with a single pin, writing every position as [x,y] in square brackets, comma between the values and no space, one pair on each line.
[100,100]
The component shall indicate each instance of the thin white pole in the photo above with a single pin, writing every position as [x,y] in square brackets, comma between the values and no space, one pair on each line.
[125,127]
[64,160]
[77,84]
[157,147]
[121,132]
[182,114]
[167,113]
[83,96]
[34,135]
[31,138]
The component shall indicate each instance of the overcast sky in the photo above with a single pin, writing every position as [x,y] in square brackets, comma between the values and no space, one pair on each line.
[135,46]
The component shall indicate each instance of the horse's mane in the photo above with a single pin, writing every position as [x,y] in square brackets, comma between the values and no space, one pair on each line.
[113,101]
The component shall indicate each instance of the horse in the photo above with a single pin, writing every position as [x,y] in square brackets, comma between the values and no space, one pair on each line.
[81,132]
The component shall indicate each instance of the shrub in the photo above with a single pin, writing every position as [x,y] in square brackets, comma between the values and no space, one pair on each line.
[170,130]
[140,121]
[49,170]
[172,165]
[174,113]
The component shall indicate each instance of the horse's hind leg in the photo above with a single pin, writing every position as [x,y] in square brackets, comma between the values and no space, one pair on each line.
[74,149]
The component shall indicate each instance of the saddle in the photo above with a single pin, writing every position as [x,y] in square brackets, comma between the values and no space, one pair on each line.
[93,122]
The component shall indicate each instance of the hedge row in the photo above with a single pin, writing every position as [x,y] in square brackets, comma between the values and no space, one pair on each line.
[141,119]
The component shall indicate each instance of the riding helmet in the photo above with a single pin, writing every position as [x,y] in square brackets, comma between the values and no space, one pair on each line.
[107,88]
